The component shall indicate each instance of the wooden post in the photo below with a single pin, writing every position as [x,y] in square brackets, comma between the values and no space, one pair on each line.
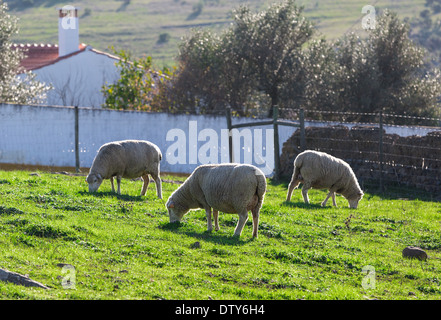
[230,137]
[380,143]
[276,144]
[77,142]
[302,130]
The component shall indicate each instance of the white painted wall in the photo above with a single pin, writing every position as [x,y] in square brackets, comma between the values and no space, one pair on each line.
[38,135]
[78,79]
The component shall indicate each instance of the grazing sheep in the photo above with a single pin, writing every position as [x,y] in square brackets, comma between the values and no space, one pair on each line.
[322,171]
[230,188]
[126,159]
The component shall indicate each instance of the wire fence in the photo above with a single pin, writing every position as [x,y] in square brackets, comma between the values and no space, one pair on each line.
[385,150]
[379,157]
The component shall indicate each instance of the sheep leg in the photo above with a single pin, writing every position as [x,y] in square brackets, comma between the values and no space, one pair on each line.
[145,184]
[243,217]
[331,193]
[333,199]
[216,219]
[157,179]
[305,189]
[255,212]
[111,182]
[292,185]
[118,182]
[209,224]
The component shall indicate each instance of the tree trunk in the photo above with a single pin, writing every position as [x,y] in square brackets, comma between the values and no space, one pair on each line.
[274,94]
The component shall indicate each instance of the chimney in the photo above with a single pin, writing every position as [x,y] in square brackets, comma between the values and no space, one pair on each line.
[68,31]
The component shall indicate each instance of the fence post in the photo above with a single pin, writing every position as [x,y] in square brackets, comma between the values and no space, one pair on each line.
[77,149]
[276,143]
[230,137]
[302,130]
[380,142]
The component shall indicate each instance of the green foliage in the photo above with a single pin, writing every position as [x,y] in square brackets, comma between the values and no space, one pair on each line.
[137,85]
[123,247]
[12,88]
[270,58]
[271,43]
[426,30]
[259,53]
[386,71]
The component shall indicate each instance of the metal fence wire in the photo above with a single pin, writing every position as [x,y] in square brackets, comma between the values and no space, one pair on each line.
[377,157]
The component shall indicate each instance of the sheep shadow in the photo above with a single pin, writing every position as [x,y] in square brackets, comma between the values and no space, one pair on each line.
[303,205]
[111,194]
[208,236]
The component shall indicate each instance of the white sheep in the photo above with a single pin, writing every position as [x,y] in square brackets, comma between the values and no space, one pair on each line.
[320,170]
[126,159]
[230,188]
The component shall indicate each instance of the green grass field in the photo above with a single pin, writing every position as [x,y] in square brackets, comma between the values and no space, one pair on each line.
[137,26]
[123,247]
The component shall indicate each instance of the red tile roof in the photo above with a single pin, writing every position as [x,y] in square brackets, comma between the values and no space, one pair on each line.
[40,55]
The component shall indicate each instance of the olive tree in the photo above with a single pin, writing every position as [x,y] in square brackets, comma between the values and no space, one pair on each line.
[211,74]
[13,88]
[271,58]
[138,85]
[256,56]
[386,71]
[273,42]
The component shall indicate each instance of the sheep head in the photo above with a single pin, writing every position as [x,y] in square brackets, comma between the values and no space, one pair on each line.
[94,181]
[175,211]
[353,202]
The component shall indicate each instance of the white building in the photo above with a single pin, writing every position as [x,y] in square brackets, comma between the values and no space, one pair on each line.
[75,70]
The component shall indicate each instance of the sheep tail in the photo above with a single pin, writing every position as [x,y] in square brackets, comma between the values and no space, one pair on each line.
[298,163]
[261,189]
[296,175]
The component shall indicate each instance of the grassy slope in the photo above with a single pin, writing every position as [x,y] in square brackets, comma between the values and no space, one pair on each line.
[124,248]
[137,26]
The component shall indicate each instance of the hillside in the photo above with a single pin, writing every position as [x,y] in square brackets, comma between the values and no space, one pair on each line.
[155,27]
